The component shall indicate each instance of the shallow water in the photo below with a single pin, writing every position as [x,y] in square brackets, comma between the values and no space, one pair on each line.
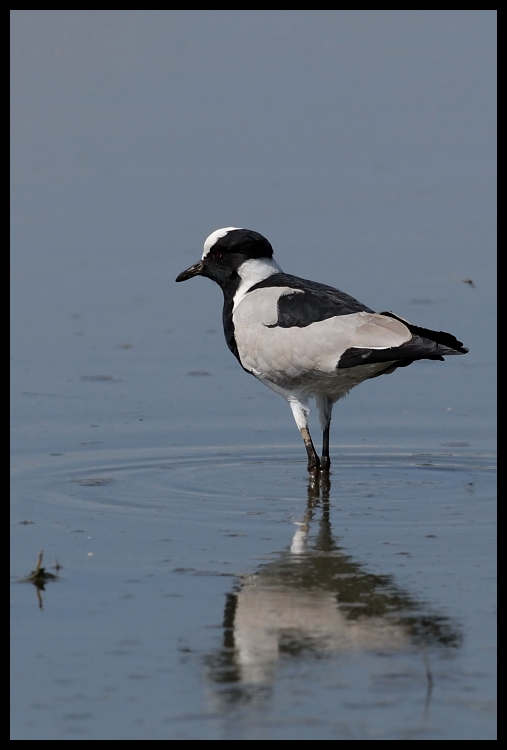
[208,594]
[203,589]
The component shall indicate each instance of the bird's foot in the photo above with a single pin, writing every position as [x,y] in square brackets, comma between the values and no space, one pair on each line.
[325,465]
[319,483]
[313,466]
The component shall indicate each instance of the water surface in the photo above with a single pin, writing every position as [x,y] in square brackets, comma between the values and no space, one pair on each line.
[203,589]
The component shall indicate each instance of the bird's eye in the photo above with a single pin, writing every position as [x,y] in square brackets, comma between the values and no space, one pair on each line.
[216,254]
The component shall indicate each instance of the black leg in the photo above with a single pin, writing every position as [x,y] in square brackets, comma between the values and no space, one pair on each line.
[313,459]
[325,407]
[325,463]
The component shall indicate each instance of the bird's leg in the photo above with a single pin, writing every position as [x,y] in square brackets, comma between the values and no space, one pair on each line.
[300,410]
[325,461]
[313,465]
[325,407]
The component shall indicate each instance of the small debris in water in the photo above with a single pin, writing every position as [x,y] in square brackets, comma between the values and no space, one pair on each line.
[40,576]
[100,378]
[93,481]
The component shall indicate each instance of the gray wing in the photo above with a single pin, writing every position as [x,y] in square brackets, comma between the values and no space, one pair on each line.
[278,352]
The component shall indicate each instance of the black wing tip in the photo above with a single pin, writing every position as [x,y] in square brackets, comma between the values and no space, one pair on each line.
[456,347]
[442,338]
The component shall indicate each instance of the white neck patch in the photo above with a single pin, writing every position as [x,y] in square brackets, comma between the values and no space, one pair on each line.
[214,237]
[251,272]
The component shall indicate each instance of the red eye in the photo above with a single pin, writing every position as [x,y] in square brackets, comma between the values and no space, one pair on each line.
[216,254]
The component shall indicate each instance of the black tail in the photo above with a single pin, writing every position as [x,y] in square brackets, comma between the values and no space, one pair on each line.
[443,339]
[424,344]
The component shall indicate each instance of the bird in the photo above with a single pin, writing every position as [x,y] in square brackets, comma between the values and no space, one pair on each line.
[303,339]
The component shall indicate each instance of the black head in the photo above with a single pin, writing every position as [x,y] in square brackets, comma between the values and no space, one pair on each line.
[224,252]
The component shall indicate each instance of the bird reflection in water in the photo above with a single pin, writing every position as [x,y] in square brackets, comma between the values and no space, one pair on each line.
[316,599]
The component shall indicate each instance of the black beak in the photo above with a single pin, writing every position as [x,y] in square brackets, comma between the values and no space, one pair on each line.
[194,270]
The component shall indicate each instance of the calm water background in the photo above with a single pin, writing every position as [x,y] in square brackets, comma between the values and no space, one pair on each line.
[205,591]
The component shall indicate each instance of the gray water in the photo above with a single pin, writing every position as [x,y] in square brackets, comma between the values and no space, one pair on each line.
[202,588]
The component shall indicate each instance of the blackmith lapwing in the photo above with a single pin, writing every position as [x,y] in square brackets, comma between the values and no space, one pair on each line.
[304,339]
